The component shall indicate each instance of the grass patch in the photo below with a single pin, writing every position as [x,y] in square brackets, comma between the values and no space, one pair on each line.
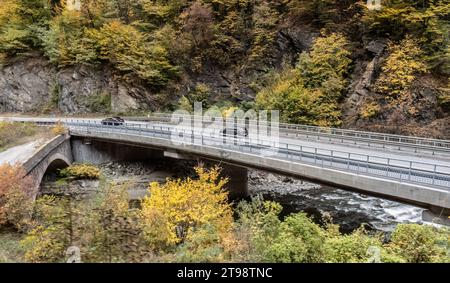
[17,133]
[10,249]
[11,133]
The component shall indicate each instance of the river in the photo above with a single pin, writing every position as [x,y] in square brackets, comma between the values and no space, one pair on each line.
[348,209]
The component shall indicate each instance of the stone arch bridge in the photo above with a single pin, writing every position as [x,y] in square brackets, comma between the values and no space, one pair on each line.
[55,154]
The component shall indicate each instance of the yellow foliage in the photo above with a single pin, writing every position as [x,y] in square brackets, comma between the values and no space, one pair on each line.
[188,204]
[15,192]
[400,68]
[228,112]
[81,171]
[8,10]
[58,129]
[370,110]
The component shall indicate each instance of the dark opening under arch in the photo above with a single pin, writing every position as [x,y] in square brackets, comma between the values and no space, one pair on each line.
[51,173]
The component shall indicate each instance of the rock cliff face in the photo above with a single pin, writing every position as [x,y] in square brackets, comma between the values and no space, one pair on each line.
[34,85]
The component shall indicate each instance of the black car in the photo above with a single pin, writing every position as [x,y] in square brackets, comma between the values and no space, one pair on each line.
[235,132]
[113,121]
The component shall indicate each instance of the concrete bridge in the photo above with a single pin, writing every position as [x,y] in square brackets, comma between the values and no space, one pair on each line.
[421,176]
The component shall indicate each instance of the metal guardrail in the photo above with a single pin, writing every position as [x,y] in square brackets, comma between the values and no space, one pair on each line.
[422,173]
[345,136]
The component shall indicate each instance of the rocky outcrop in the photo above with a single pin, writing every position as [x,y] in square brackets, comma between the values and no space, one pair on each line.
[35,85]
[363,78]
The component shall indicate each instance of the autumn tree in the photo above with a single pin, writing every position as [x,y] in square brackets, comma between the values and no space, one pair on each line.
[427,21]
[265,18]
[189,204]
[198,21]
[309,94]
[420,243]
[103,227]
[133,53]
[114,230]
[54,229]
[20,25]
[67,41]
[400,68]
[318,11]
[15,196]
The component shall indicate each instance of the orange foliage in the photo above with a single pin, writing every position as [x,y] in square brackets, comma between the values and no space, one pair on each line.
[15,190]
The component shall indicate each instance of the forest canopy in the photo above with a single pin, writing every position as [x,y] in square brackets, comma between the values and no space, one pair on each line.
[163,41]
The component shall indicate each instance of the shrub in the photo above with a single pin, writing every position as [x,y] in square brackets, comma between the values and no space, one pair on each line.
[113,231]
[58,129]
[53,231]
[370,110]
[444,98]
[15,196]
[81,171]
[296,239]
[100,103]
[418,243]
[189,204]
[400,68]
[204,245]
[351,248]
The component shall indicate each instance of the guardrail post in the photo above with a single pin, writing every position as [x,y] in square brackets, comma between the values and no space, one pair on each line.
[367,164]
[331,163]
[434,173]
[388,163]
[301,151]
[410,169]
[348,161]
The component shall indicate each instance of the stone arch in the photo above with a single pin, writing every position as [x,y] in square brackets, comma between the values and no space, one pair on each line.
[50,164]
[55,162]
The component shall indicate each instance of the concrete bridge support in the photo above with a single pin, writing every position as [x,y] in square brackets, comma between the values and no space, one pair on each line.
[238,181]
[237,185]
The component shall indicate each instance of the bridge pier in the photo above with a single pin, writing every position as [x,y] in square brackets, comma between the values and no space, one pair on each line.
[437,215]
[237,186]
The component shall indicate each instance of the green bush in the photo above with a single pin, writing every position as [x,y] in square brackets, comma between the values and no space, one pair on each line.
[298,240]
[352,248]
[81,171]
[100,103]
[21,24]
[420,243]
